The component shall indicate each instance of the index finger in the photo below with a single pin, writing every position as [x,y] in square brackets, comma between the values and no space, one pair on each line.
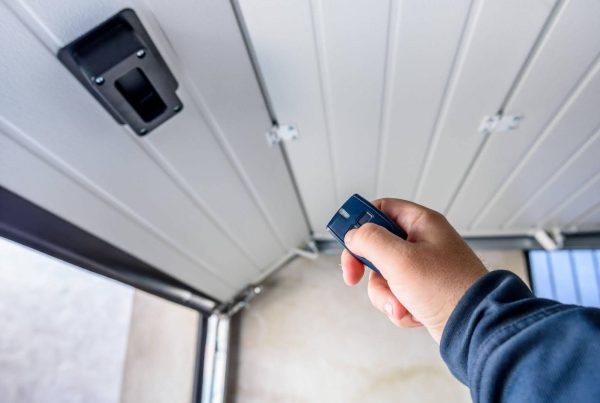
[353,269]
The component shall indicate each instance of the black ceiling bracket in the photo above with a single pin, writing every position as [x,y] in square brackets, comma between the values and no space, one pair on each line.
[121,67]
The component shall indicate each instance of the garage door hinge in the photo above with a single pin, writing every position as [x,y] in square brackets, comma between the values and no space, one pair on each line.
[281,133]
[499,123]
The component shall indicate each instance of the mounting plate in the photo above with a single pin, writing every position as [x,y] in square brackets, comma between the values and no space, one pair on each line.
[118,63]
[499,123]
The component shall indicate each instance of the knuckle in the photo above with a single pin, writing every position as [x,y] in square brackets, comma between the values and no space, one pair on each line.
[432,216]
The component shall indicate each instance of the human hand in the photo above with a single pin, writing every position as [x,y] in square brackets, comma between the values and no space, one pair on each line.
[423,277]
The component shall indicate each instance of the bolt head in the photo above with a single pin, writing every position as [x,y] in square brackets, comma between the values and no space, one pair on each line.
[140,53]
[99,80]
[176,108]
[143,130]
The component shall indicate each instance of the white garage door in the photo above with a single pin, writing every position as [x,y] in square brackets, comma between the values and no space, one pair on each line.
[389,97]
[203,197]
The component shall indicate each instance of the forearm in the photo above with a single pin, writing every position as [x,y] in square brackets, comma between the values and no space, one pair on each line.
[507,345]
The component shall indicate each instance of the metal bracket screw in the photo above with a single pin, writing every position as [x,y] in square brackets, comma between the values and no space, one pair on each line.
[140,53]
[499,123]
[281,133]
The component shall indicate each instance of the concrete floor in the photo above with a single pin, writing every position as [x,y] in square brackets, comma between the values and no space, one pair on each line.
[310,338]
[64,330]
[69,335]
[72,336]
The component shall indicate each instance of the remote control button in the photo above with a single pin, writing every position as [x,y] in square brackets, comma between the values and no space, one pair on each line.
[344,213]
[365,218]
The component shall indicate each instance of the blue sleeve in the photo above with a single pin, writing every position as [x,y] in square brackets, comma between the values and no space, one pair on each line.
[509,346]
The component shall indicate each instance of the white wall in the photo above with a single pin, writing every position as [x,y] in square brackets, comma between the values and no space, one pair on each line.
[310,338]
[160,364]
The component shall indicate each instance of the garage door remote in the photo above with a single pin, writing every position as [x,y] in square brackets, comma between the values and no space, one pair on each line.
[354,213]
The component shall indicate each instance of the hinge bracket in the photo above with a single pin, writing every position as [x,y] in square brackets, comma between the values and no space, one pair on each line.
[499,123]
[279,133]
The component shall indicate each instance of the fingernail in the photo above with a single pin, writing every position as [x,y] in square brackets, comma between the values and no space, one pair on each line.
[349,235]
[389,309]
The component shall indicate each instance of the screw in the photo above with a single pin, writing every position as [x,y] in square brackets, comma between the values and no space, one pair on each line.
[99,80]
[140,53]
[143,130]
[176,108]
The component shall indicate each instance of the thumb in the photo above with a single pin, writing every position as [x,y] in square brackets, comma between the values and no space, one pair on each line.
[377,245]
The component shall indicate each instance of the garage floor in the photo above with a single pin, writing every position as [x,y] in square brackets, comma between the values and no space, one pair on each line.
[310,338]
[72,336]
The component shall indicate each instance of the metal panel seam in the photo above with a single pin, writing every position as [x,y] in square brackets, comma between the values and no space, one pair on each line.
[458,60]
[532,55]
[523,71]
[28,18]
[37,149]
[52,43]
[585,215]
[237,11]
[577,89]
[36,26]
[554,176]
[587,185]
[389,75]
[186,189]
[316,17]
[211,122]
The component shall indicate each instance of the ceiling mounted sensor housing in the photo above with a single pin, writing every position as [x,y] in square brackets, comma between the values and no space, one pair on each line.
[120,66]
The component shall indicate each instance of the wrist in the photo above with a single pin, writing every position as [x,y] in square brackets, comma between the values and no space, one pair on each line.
[440,320]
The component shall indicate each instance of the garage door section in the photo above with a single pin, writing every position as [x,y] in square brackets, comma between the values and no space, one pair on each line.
[202,197]
[391,94]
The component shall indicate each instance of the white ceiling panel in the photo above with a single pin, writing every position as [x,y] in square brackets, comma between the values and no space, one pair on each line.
[295,88]
[352,68]
[496,43]
[49,180]
[572,175]
[545,94]
[578,206]
[563,137]
[205,183]
[589,220]
[415,87]
[389,97]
